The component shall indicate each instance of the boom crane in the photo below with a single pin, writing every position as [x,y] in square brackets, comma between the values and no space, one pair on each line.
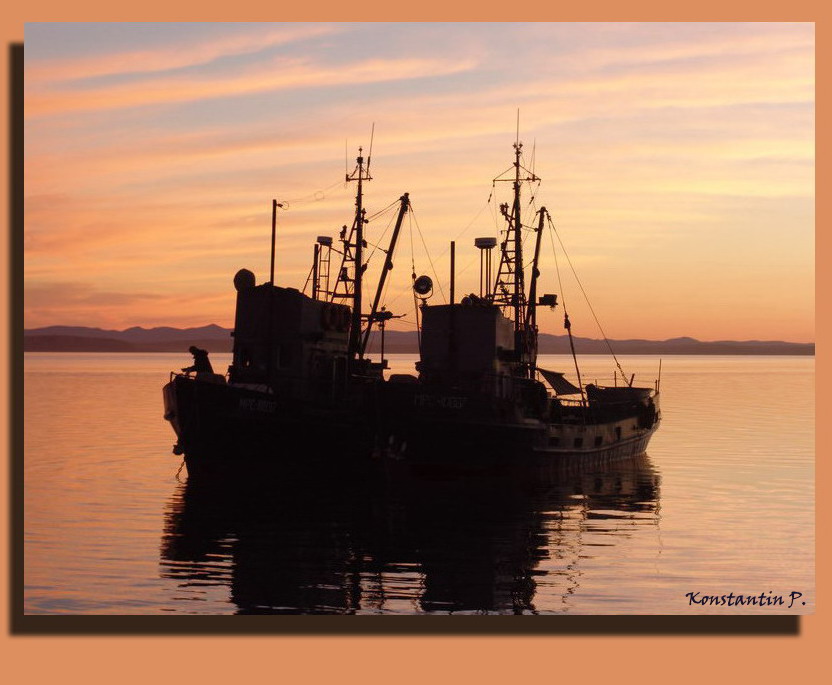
[388,266]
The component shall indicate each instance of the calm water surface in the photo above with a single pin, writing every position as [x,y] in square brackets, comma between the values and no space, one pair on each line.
[723,502]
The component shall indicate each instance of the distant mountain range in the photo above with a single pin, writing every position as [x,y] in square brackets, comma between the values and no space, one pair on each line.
[161,339]
[217,339]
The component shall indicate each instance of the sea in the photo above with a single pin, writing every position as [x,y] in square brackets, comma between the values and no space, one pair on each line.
[716,518]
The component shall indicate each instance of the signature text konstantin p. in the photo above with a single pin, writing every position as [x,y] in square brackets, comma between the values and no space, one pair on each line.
[737,600]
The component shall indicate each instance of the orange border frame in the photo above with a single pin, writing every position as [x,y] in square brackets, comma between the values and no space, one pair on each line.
[501,658]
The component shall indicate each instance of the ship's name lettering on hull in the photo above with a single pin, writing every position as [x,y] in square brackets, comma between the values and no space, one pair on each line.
[442,401]
[253,404]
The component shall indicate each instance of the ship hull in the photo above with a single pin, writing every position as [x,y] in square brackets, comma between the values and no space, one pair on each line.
[226,428]
[492,444]
[436,426]
[221,427]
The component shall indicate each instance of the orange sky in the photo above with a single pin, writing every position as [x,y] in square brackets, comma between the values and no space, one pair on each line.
[677,162]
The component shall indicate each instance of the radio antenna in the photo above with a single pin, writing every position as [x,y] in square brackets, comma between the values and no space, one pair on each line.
[370,152]
[517,138]
[534,150]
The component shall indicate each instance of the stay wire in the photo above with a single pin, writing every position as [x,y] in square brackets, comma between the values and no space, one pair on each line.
[464,230]
[566,324]
[433,268]
[316,196]
[376,247]
[381,211]
[308,278]
[586,297]
[557,271]
[413,279]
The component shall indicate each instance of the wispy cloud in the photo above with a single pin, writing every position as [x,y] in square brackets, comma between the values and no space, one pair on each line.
[280,74]
[668,149]
[167,58]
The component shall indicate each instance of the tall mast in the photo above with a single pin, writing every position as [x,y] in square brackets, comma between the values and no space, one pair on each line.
[519,284]
[509,287]
[350,275]
[274,230]
[355,326]
[275,205]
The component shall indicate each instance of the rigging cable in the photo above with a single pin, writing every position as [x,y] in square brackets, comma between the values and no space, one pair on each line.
[471,263]
[308,278]
[586,297]
[412,252]
[316,196]
[433,268]
[377,247]
[566,324]
[381,211]
[464,230]
[413,282]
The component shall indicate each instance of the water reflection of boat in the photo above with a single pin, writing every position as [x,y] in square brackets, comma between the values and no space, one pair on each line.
[397,540]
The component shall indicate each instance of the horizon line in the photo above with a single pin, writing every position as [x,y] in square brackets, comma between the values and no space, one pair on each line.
[389,331]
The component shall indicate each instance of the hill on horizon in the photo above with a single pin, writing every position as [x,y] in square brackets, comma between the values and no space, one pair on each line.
[215,338]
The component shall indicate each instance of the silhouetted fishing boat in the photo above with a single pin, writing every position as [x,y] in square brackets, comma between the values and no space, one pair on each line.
[300,380]
[479,392]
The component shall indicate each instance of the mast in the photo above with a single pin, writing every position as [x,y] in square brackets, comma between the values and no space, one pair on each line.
[355,326]
[274,231]
[388,266]
[531,314]
[519,289]
[351,284]
[270,367]
[509,288]
[315,258]
[453,269]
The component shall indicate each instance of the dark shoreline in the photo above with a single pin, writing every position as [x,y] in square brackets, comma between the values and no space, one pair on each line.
[218,339]
[92,345]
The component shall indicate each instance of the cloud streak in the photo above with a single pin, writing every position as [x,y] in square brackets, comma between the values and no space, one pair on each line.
[279,75]
[677,151]
[42,72]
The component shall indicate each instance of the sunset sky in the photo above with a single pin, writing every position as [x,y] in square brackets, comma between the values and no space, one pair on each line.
[677,163]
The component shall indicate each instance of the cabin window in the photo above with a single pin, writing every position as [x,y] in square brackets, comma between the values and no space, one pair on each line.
[618,432]
[598,441]
[554,441]
[579,442]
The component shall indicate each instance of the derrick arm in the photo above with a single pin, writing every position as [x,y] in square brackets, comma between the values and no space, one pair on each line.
[531,313]
[388,265]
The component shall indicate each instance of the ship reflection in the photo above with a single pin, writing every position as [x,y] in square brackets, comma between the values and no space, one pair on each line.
[389,539]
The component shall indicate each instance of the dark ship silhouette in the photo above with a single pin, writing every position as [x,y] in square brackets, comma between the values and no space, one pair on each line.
[300,374]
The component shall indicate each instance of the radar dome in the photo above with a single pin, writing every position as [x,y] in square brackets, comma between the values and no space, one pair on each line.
[244,279]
